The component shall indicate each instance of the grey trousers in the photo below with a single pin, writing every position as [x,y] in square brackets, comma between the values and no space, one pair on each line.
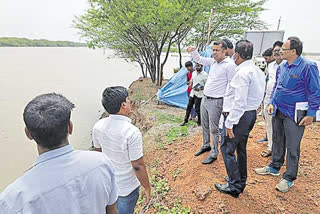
[286,135]
[210,111]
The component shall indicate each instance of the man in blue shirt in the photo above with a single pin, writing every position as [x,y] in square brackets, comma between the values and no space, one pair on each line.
[297,80]
[62,180]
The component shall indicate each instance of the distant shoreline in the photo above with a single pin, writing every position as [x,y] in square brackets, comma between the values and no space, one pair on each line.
[24,42]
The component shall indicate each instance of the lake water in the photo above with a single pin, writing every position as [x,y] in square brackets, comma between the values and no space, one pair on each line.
[80,74]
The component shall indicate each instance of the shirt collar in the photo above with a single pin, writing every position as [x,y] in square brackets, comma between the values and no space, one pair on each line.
[245,63]
[296,62]
[53,154]
[120,117]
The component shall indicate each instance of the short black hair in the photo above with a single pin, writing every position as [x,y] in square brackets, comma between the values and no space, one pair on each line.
[47,118]
[245,49]
[228,42]
[295,43]
[113,97]
[277,43]
[267,52]
[189,63]
[224,45]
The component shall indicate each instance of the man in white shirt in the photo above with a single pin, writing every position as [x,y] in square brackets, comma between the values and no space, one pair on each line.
[121,141]
[197,82]
[222,69]
[62,180]
[271,73]
[243,97]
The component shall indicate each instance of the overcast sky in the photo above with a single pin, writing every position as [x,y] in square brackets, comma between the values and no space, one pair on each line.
[52,19]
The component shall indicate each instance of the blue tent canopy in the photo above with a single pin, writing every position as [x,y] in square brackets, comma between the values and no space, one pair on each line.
[207,53]
[174,92]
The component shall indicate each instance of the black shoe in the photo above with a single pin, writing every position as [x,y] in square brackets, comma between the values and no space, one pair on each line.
[202,150]
[227,178]
[184,123]
[209,160]
[224,188]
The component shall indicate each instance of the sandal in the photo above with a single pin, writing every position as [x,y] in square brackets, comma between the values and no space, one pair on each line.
[266,153]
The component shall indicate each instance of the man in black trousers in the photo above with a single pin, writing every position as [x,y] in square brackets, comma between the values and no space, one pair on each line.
[243,97]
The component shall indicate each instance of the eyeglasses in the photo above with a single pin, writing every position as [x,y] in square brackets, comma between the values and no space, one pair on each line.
[276,51]
[285,49]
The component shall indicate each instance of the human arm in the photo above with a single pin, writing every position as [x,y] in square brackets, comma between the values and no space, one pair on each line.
[137,162]
[95,141]
[312,85]
[271,102]
[241,86]
[205,61]
[140,170]
[112,209]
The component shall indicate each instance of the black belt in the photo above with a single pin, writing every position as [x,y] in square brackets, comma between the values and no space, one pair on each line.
[213,98]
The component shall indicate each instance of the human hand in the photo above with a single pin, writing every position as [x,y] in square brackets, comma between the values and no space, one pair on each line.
[147,193]
[270,109]
[229,133]
[306,121]
[190,49]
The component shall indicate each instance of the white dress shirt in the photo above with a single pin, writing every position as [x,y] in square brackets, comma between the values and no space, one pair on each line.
[63,181]
[200,78]
[121,141]
[244,93]
[219,76]
[272,72]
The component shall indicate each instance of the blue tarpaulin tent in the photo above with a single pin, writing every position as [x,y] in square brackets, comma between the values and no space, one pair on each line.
[174,92]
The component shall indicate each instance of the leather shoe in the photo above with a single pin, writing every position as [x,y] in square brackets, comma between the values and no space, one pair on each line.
[224,188]
[184,123]
[202,150]
[209,160]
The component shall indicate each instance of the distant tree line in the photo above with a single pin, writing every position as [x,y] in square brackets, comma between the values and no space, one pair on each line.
[23,42]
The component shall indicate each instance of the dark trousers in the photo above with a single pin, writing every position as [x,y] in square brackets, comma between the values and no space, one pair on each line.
[193,101]
[286,134]
[237,166]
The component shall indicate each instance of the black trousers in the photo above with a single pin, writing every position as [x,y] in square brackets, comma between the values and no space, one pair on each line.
[193,101]
[237,166]
[286,135]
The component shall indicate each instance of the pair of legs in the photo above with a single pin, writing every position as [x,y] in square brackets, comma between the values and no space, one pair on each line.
[211,110]
[127,204]
[237,166]
[287,136]
[268,120]
[193,101]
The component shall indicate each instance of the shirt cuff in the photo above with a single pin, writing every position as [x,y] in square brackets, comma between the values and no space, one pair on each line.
[228,124]
[311,112]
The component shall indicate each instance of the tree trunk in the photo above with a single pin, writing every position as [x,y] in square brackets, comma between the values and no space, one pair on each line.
[180,54]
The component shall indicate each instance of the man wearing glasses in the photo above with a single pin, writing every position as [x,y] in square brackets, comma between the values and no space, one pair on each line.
[222,69]
[271,74]
[297,80]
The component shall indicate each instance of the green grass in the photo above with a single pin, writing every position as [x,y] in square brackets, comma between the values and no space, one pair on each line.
[163,118]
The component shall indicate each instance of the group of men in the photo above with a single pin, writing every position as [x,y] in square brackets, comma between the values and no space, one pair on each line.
[64,180]
[236,87]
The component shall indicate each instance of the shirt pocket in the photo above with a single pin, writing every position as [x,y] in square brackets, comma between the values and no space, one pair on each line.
[292,81]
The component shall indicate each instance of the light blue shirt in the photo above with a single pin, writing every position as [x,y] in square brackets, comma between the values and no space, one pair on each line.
[63,181]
